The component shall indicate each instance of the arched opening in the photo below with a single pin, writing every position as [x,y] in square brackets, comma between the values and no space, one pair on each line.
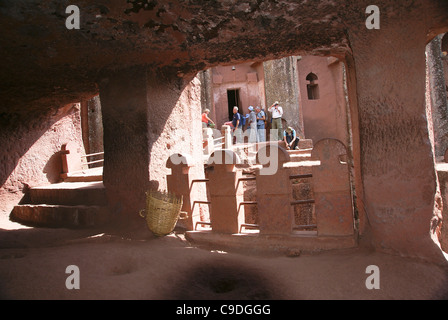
[445,45]
[140,127]
[287,80]
[312,86]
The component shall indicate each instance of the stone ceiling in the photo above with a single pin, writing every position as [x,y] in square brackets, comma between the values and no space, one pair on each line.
[43,63]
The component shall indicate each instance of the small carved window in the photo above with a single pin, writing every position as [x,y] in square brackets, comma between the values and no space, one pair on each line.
[312,86]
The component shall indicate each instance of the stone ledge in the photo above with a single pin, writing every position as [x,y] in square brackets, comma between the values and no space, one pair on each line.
[60,216]
[273,244]
[70,194]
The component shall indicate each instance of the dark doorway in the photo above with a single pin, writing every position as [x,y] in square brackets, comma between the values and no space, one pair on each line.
[233,99]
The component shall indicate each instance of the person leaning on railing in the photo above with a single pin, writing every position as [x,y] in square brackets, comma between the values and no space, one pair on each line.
[206,121]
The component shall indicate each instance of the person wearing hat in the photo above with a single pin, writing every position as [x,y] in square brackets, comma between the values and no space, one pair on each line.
[237,124]
[277,113]
[291,139]
[261,117]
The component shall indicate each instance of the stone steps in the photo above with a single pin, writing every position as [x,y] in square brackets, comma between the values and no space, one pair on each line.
[307,242]
[296,155]
[60,216]
[247,153]
[87,175]
[64,205]
[300,155]
[70,194]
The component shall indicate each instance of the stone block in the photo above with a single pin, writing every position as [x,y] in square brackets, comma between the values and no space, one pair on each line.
[274,192]
[226,192]
[179,182]
[332,193]
[59,216]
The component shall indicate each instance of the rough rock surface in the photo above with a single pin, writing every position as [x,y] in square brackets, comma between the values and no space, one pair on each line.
[31,150]
[42,60]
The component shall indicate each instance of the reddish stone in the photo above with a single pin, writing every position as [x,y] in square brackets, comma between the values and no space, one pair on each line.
[179,182]
[226,193]
[332,194]
[274,192]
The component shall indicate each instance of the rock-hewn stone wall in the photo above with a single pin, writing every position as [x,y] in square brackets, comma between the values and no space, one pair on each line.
[44,64]
[281,84]
[146,119]
[30,152]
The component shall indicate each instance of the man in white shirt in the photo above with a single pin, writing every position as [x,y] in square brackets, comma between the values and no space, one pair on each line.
[277,113]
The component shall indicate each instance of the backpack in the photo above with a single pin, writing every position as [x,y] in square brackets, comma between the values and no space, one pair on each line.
[243,120]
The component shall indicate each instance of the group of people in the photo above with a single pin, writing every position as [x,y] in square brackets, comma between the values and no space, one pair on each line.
[256,119]
[257,123]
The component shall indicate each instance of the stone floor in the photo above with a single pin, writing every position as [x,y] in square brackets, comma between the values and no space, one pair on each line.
[139,266]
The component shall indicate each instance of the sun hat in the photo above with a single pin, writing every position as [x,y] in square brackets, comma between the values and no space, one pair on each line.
[251,108]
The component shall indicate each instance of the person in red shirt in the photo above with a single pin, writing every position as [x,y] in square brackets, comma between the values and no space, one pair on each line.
[206,121]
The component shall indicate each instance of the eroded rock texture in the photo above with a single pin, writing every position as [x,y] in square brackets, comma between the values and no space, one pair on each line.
[42,59]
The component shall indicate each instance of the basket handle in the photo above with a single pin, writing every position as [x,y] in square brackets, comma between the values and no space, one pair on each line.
[142,213]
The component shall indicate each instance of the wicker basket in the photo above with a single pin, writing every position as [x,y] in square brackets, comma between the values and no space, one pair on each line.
[162,212]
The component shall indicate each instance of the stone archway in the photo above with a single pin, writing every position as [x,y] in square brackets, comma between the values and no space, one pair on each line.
[158,47]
